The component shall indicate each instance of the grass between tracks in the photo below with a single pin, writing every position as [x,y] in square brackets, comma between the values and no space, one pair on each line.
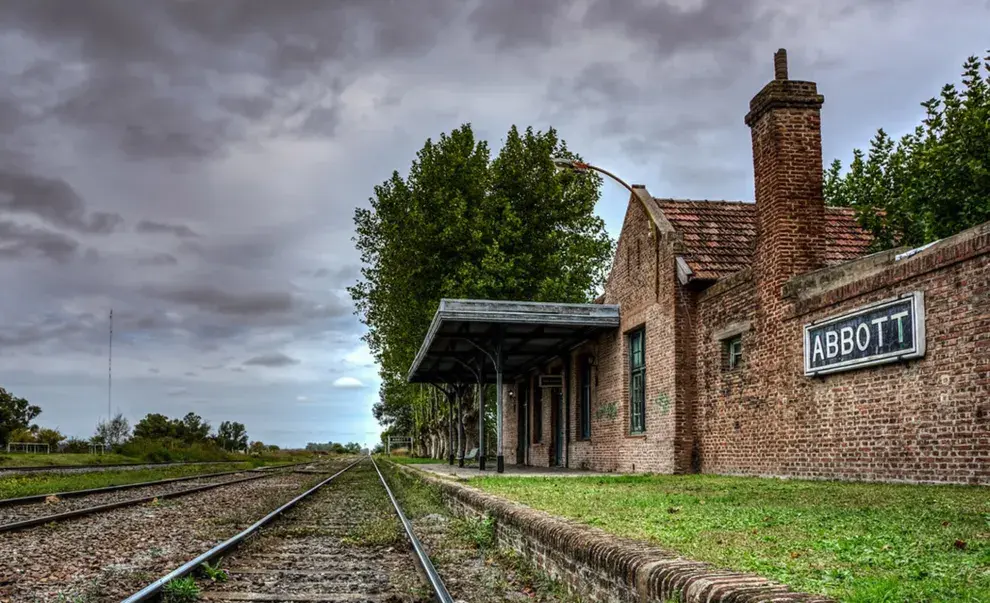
[46,483]
[855,541]
[412,460]
[498,574]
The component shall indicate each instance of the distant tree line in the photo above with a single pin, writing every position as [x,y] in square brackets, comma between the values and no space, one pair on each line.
[335,447]
[154,436]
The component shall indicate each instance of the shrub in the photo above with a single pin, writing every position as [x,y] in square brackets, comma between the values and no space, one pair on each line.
[152,451]
[75,446]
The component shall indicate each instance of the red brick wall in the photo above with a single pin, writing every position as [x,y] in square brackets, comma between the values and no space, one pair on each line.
[927,420]
[924,420]
[644,302]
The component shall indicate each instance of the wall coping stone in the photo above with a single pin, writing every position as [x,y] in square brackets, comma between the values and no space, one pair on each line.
[836,284]
[653,573]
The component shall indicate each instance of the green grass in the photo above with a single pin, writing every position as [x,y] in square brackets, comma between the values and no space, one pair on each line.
[412,460]
[45,483]
[56,459]
[181,590]
[857,542]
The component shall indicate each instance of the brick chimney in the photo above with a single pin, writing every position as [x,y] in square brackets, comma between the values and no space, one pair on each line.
[787,161]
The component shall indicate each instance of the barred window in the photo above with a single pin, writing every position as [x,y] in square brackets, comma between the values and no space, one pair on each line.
[637,381]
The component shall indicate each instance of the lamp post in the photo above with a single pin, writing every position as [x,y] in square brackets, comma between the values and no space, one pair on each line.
[573,165]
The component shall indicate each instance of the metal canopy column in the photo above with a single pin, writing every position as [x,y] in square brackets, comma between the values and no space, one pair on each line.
[460,426]
[500,463]
[481,416]
[450,425]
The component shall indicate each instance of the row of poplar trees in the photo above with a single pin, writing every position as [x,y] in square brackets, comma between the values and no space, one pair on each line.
[465,224]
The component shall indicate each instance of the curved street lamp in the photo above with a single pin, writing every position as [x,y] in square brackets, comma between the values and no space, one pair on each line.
[573,165]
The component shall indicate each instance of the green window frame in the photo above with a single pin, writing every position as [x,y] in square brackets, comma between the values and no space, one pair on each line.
[637,381]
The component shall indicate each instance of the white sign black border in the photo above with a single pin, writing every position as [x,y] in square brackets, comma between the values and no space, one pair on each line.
[917,351]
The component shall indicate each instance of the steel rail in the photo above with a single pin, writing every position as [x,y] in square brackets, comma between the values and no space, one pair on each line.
[35,498]
[439,590]
[155,587]
[37,521]
[41,468]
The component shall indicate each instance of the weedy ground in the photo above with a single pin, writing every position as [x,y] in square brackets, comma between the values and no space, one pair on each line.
[412,460]
[465,552]
[857,542]
[58,459]
[44,483]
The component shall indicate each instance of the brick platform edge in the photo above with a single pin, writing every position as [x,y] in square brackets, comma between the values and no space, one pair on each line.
[604,567]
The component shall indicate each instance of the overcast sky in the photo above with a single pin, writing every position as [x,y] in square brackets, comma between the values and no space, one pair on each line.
[195,165]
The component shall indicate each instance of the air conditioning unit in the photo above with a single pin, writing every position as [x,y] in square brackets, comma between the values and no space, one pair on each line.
[551,381]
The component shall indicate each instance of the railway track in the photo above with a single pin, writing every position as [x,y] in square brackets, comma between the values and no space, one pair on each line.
[87,468]
[29,511]
[345,539]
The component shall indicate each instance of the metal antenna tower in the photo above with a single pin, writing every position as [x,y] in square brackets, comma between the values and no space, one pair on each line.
[110,368]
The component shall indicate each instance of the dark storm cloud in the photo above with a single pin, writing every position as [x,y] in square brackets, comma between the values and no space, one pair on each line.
[11,116]
[212,299]
[52,200]
[512,23]
[274,360]
[179,230]
[174,80]
[664,26]
[21,241]
[158,259]
[667,27]
[344,274]
[50,328]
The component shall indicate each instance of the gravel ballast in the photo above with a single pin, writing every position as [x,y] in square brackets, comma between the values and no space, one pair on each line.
[343,543]
[56,505]
[104,557]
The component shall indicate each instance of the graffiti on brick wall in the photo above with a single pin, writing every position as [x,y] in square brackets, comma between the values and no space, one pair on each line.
[607,411]
[663,402]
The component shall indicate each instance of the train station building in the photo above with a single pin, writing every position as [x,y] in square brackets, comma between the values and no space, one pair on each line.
[747,338]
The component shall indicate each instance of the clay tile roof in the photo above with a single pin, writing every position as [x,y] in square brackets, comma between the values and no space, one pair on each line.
[719,236]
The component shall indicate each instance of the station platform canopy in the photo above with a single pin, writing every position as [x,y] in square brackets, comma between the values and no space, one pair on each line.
[471,340]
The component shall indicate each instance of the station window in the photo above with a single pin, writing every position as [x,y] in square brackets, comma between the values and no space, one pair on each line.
[637,381]
[733,353]
[584,392]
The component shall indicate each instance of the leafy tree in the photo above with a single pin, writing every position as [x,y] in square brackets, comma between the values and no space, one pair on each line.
[464,225]
[192,428]
[934,181]
[75,446]
[52,437]
[352,448]
[154,426]
[15,413]
[273,448]
[232,435]
[257,448]
[21,435]
[115,431]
